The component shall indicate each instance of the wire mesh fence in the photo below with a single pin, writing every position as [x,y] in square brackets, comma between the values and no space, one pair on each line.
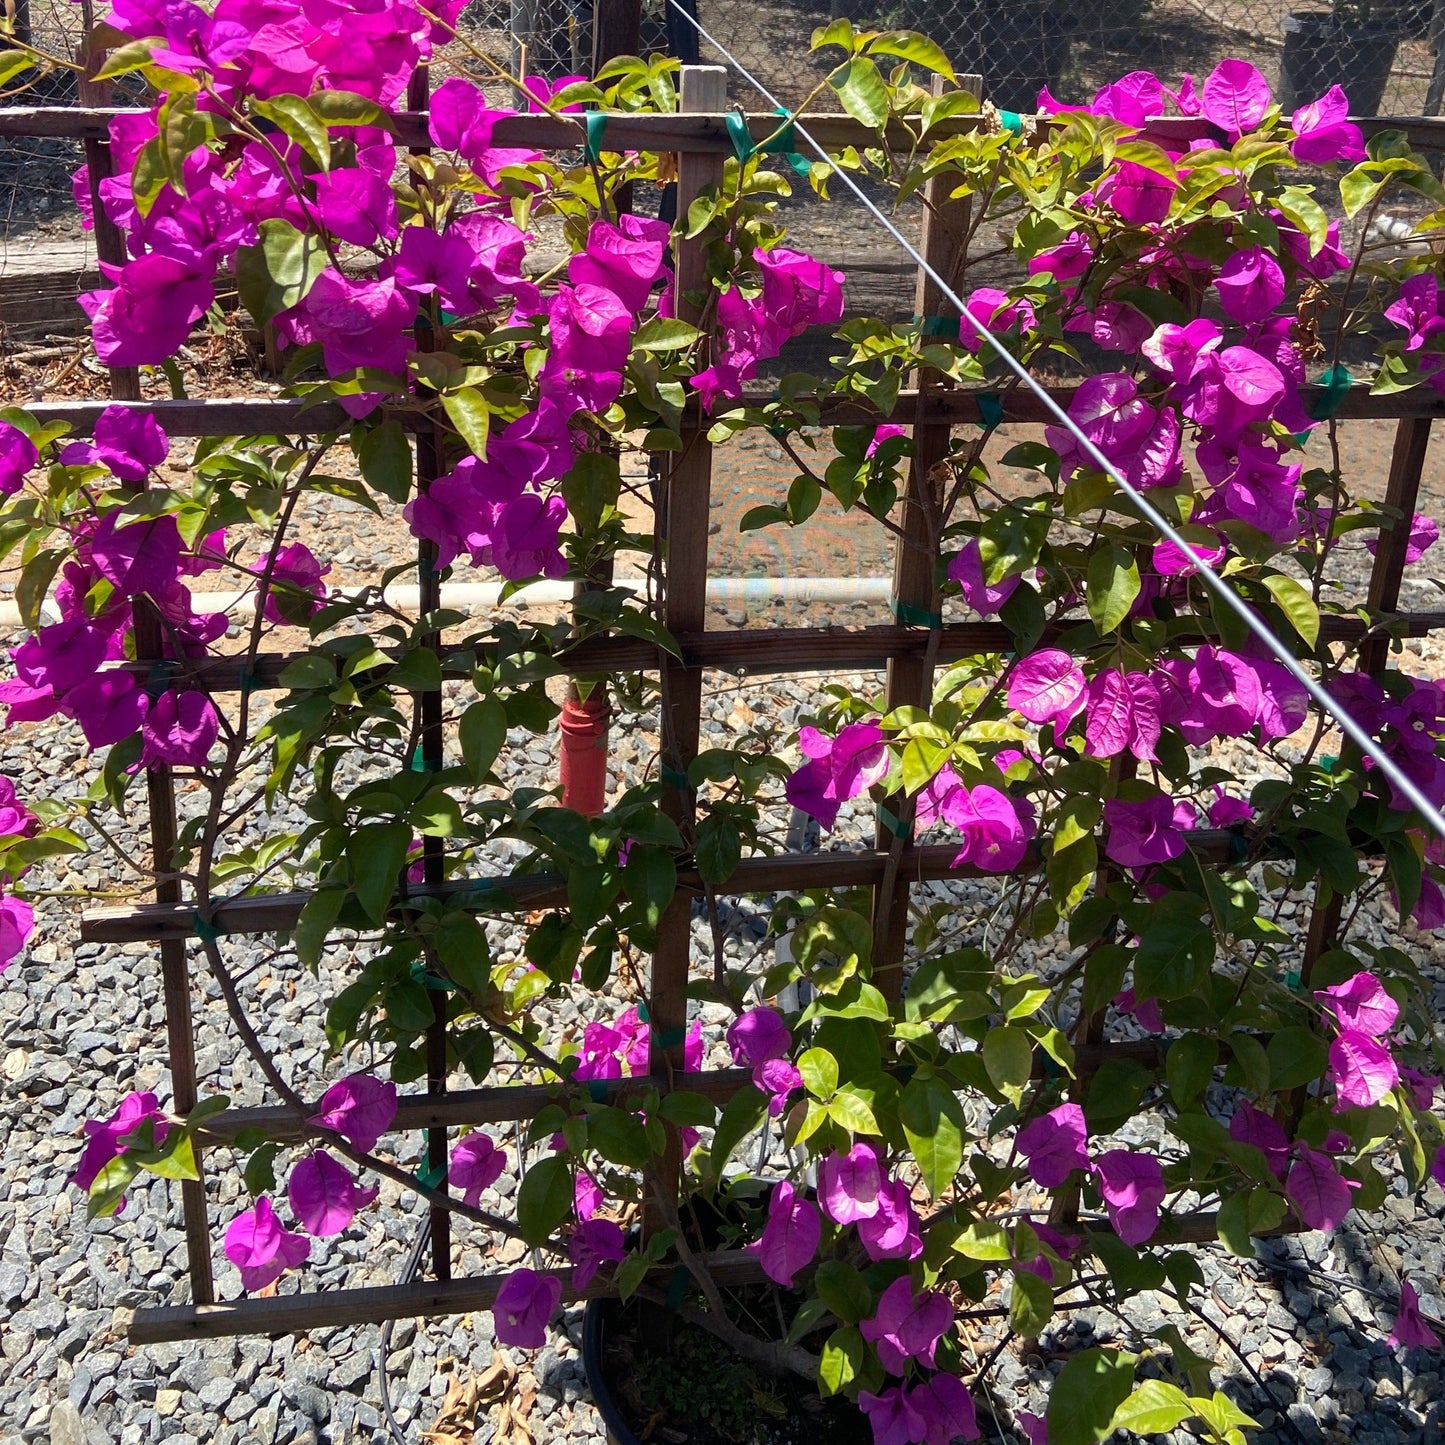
[1384,53]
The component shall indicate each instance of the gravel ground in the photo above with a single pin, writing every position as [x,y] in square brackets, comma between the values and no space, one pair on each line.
[1297,1336]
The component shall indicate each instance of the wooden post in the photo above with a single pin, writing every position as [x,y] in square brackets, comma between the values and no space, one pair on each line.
[160,787]
[682,526]
[616,30]
[915,593]
[1402,495]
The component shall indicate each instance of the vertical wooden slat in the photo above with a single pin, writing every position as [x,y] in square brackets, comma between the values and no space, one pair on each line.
[1402,495]
[915,594]
[160,787]
[433,743]
[682,526]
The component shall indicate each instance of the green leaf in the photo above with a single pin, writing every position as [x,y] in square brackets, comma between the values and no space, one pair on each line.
[862,92]
[719,848]
[177,1159]
[483,733]
[766,515]
[1297,605]
[923,759]
[1155,1407]
[1296,1057]
[1008,1055]
[740,1116]
[470,414]
[1031,1304]
[844,1290]
[1088,1391]
[853,1112]
[820,1073]
[841,1360]
[1190,1066]
[34,583]
[1174,958]
[1223,1416]
[545,1198]
[345,107]
[377,853]
[685,1109]
[909,45]
[1241,1216]
[651,880]
[932,1120]
[121,61]
[313,927]
[109,1186]
[1111,586]
[664,333]
[384,457]
[259,1175]
[840,32]
[618,1136]
[294,115]
[464,952]
[276,273]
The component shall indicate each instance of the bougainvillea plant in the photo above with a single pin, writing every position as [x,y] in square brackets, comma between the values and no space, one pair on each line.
[1175,251]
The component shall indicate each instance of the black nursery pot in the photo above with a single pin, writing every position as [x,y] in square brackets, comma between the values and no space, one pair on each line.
[1320,52]
[599,1314]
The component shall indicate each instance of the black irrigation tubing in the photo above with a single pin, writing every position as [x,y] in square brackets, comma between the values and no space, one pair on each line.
[383,1348]
[1217,584]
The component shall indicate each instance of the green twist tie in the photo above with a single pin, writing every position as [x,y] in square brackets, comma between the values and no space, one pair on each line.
[597,1088]
[420,762]
[206,932]
[1011,121]
[1292,980]
[430,980]
[741,138]
[1238,847]
[893,823]
[595,122]
[990,409]
[642,1014]
[250,683]
[938,325]
[677,1287]
[1050,1065]
[782,144]
[675,779]
[912,616]
[158,679]
[671,1039]
[1328,761]
[1335,387]
[433,1176]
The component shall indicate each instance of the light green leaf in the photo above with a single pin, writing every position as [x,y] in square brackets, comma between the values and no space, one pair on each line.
[1241,1216]
[545,1198]
[862,92]
[1155,1406]
[842,1359]
[1296,604]
[1088,1391]
[483,733]
[932,1120]
[820,1073]
[1031,1304]
[469,413]
[295,116]
[1008,1055]
[909,45]
[1111,586]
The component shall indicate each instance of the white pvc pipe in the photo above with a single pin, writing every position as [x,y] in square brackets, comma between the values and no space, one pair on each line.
[487,596]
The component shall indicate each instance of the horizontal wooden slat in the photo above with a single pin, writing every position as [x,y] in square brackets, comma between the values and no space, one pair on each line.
[295,1314]
[253,415]
[790,872]
[663,132]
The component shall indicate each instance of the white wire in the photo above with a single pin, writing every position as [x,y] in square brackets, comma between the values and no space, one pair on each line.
[1222,589]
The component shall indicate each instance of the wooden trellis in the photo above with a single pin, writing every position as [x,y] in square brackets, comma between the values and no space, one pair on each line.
[910,652]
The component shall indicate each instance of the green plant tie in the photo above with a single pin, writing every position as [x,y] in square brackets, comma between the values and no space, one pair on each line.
[912,616]
[207,932]
[893,823]
[1238,847]
[677,1287]
[1334,388]
[420,764]
[249,683]
[158,679]
[1329,762]
[675,779]
[595,122]
[782,144]
[1292,980]
[597,1088]
[1011,121]
[938,325]
[430,980]
[643,1016]
[434,1175]
[672,1038]
[990,409]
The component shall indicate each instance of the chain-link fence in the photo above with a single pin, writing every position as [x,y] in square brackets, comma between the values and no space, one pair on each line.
[1382,51]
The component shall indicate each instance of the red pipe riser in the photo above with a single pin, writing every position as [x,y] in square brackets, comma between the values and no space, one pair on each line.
[584,753]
